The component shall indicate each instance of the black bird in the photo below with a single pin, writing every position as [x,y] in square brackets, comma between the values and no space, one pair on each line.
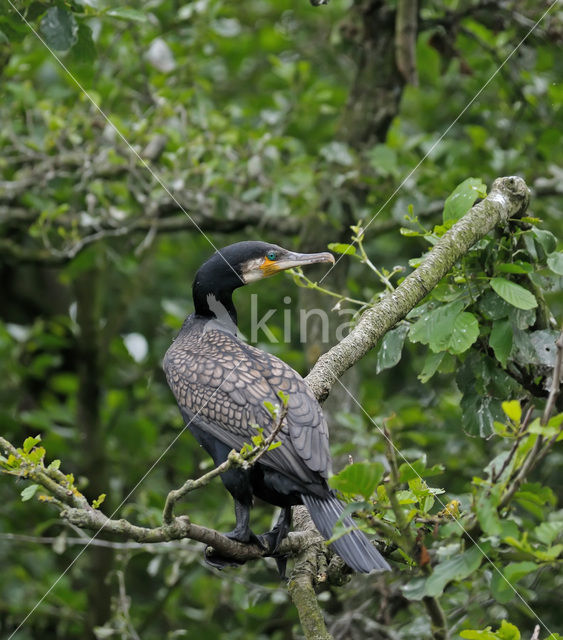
[221,383]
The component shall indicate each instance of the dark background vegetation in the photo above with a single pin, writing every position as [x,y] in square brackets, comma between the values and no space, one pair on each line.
[288,123]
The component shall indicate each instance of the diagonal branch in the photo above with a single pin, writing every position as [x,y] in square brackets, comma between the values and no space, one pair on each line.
[508,199]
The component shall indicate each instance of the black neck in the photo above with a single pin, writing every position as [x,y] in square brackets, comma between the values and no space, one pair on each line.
[213,304]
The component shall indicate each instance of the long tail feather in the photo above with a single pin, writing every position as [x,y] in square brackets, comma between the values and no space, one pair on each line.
[354,547]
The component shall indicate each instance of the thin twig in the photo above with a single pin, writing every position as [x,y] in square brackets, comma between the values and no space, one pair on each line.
[239,459]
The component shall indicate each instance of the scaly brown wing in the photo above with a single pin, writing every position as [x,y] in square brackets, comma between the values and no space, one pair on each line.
[222,383]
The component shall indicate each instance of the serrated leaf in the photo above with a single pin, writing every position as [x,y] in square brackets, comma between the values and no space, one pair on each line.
[462,199]
[55,465]
[514,294]
[389,353]
[500,340]
[59,29]
[127,13]
[29,492]
[359,478]
[340,247]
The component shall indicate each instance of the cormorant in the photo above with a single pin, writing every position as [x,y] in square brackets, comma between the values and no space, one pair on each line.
[221,384]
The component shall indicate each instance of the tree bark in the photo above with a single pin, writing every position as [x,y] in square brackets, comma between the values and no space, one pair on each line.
[508,198]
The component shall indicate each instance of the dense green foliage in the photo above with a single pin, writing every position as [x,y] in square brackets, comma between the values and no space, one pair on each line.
[242,113]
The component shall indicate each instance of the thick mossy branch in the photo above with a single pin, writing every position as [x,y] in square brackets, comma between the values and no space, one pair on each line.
[310,568]
[508,199]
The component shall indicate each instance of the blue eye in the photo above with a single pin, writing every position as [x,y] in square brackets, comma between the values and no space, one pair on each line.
[271,255]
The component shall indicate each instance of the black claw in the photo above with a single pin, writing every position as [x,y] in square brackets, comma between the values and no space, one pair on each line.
[213,559]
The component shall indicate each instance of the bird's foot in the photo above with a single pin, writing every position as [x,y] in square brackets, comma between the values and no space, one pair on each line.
[246,536]
[272,540]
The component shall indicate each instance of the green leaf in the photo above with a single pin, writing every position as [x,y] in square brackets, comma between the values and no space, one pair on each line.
[474,634]
[55,465]
[435,327]
[506,631]
[555,262]
[457,567]
[431,365]
[383,159]
[99,500]
[514,294]
[462,199]
[271,408]
[477,416]
[545,239]
[500,340]
[492,307]
[417,469]
[389,353]
[359,478]
[83,54]
[29,492]
[284,397]
[547,532]
[464,332]
[515,267]
[341,247]
[126,13]
[513,410]
[486,509]
[30,442]
[59,29]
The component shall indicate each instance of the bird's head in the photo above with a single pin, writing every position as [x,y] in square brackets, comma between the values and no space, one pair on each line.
[239,264]
[249,261]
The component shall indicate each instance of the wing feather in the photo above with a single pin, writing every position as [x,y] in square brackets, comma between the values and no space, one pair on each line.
[223,383]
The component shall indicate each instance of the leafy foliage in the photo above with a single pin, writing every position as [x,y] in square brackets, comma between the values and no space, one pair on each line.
[242,111]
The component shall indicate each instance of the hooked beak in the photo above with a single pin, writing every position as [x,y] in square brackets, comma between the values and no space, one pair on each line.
[264,268]
[292,260]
